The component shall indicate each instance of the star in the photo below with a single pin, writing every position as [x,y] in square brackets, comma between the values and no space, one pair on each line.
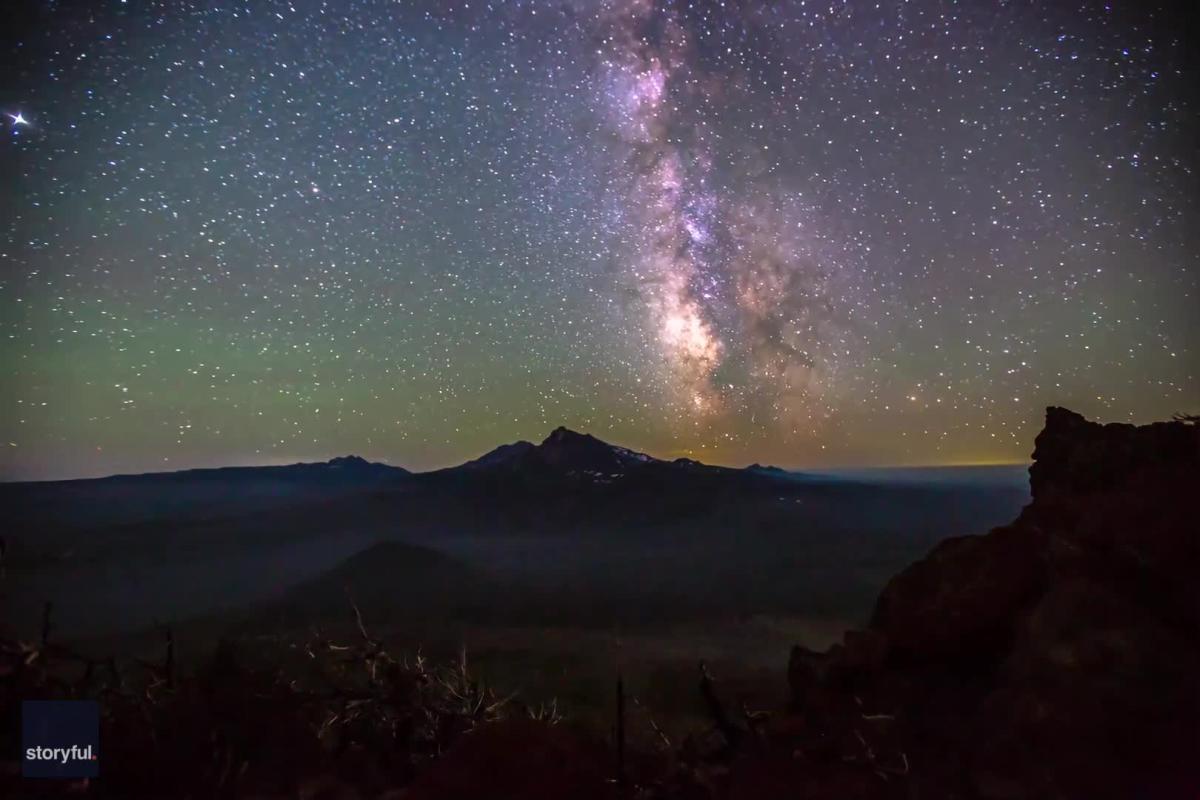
[18,119]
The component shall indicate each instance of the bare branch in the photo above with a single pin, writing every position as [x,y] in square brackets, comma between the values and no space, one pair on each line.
[728,730]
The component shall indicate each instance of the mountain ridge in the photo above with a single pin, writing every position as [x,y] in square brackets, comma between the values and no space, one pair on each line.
[563,449]
[341,464]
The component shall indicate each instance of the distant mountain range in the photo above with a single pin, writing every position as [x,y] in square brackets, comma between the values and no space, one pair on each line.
[516,487]
[567,454]
[340,470]
[570,484]
[681,528]
[563,452]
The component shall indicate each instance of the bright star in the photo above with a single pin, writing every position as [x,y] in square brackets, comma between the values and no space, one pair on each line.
[18,119]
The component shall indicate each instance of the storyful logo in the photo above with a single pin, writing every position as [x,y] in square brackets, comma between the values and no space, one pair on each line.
[60,739]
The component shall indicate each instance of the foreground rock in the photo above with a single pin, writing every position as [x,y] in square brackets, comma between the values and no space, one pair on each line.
[1055,657]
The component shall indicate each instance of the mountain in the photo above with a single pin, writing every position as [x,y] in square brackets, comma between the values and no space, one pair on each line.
[567,450]
[573,481]
[563,452]
[386,579]
[504,456]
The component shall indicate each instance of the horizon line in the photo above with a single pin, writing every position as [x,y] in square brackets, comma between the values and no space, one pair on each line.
[811,470]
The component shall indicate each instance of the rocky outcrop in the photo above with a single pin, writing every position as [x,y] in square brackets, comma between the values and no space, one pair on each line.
[1055,657]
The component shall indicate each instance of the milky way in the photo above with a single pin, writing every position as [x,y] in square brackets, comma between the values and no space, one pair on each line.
[803,233]
[722,272]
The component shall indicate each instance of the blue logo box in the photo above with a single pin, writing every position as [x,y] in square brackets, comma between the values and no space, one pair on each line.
[60,739]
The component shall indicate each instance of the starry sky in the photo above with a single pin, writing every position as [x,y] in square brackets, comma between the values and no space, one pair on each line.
[803,233]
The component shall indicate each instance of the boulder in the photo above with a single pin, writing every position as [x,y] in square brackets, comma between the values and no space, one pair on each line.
[962,601]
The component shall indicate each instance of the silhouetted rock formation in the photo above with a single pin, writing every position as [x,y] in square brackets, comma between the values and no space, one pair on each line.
[1054,657]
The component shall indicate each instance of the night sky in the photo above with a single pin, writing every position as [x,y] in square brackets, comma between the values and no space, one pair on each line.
[802,233]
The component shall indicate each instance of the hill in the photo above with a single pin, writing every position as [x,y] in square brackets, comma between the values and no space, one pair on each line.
[389,579]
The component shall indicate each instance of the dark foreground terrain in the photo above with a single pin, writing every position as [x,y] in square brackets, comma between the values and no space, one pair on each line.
[1052,657]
